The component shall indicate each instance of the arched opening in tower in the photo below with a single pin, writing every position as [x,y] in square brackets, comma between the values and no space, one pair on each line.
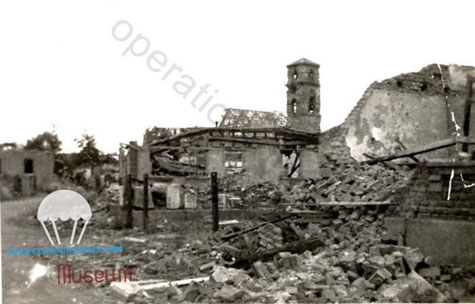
[311,105]
[294,106]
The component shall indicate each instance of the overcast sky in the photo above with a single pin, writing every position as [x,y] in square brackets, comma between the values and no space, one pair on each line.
[65,67]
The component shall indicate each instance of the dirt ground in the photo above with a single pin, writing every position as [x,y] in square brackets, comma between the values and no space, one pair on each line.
[19,229]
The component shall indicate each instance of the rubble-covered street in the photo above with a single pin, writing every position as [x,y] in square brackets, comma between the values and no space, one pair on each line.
[339,254]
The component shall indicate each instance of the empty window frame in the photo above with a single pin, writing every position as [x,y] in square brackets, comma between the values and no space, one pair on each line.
[28,166]
[233,161]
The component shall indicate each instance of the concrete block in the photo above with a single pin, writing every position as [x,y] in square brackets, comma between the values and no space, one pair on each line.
[222,201]
[190,200]
[174,197]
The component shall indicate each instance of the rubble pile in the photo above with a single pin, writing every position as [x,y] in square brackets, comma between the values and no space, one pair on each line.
[242,192]
[263,241]
[289,260]
[365,184]
[343,179]
[340,182]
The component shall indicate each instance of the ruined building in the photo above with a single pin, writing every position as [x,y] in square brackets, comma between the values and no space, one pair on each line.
[267,146]
[420,120]
[412,110]
[423,120]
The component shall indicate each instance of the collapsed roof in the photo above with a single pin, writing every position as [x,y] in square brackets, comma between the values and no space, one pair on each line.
[241,118]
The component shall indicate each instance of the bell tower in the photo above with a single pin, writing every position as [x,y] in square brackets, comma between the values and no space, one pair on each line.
[303,95]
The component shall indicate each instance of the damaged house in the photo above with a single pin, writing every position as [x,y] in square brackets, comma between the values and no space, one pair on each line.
[24,172]
[267,146]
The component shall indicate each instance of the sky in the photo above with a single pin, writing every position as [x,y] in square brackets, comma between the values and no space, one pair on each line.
[114,68]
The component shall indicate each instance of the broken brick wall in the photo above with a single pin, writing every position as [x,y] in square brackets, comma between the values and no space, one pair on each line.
[425,218]
[388,117]
[413,109]
[427,191]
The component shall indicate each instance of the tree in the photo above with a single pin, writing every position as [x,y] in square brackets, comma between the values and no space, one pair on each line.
[89,155]
[44,142]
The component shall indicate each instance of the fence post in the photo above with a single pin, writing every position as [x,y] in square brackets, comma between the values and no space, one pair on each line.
[129,221]
[214,200]
[145,202]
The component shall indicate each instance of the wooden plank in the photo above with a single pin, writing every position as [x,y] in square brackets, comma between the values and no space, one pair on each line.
[228,222]
[269,142]
[278,131]
[299,247]
[354,203]
[156,149]
[405,148]
[424,149]
[386,164]
[127,289]
[235,234]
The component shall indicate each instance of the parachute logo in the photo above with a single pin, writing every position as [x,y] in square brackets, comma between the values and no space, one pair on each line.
[64,205]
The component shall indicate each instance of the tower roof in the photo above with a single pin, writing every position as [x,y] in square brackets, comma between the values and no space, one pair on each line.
[303,61]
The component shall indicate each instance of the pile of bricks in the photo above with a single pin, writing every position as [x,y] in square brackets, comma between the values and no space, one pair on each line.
[343,179]
[354,265]
[270,236]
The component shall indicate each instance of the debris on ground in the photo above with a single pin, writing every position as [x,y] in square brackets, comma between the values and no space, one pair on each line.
[288,259]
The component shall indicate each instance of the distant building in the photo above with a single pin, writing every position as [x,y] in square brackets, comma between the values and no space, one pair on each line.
[25,172]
